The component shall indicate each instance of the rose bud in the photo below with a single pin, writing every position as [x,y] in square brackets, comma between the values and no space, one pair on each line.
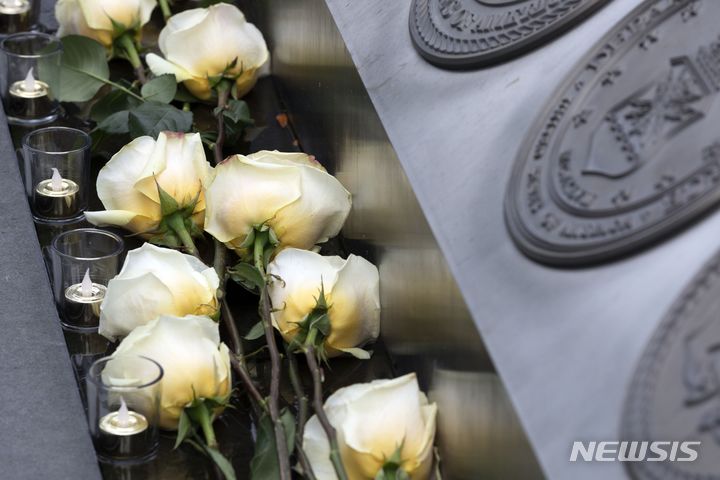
[156,188]
[102,20]
[382,426]
[289,192]
[195,364]
[157,281]
[204,45]
[306,285]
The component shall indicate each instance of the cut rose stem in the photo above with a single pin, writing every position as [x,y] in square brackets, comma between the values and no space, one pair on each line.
[165,7]
[223,93]
[322,416]
[220,265]
[275,370]
[302,413]
[128,45]
[281,443]
[240,368]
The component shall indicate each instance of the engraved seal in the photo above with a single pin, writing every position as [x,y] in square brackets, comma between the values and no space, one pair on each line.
[474,33]
[628,150]
[675,392]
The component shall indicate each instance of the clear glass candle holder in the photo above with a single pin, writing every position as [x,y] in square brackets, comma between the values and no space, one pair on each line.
[123,399]
[83,261]
[18,15]
[32,66]
[57,172]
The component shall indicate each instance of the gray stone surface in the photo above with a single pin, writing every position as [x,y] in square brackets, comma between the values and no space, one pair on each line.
[565,342]
[43,431]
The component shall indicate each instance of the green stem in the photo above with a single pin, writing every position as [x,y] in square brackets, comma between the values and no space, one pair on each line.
[330,432]
[165,7]
[283,455]
[259,250]
[177,224]
[207,428]
[128,45]
[303,405]
[223,93]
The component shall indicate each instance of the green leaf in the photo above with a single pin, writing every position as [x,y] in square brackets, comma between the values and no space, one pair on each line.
[117,123]
[160,89]
[151,118]
[237,111]
[257,331]
[247,275]
[263,465]
[83,69]
[183,429]
[288,421]
[111,104]
[223,463]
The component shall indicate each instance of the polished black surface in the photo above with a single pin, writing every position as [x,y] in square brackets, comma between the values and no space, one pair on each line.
[627,151]
[474,33]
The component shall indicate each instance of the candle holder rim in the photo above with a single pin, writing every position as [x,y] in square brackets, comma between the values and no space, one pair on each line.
[15,36]
[117,251]
[97,379]
[86,139]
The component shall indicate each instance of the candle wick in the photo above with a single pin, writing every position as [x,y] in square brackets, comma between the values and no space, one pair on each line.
[29,84]
[57,181]
[123,418]
[86,287]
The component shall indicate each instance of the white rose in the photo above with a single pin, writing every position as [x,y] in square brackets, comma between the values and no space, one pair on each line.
[351,289]
[290,192]
[206,43]
[127,185]
[373,420]
[94,18]
[157,281]
[191,355]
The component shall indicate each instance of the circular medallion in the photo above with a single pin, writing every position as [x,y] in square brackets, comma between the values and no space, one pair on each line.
[628,149]
[675,392]
[473,33]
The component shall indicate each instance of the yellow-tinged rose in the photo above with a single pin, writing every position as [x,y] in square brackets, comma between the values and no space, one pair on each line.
[157,281]
[373,420]
[127,184]
[102,20]
[206,43]
[352,292]
[289,192]
[195,363]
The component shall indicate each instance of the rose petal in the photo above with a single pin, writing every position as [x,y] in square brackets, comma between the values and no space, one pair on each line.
[160,66]
[116,180]
[188,350]
[355,310]
[244,194]
[178,164]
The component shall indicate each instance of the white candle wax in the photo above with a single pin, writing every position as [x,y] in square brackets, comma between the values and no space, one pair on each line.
[86,291]
[56,197]
[29,87]
[14,7]
[123,422]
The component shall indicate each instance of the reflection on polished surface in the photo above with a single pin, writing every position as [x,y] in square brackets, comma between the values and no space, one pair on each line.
[426,325]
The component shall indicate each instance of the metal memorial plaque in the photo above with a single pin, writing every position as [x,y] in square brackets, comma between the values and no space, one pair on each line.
[474,33]
[628,150]
[675,393]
